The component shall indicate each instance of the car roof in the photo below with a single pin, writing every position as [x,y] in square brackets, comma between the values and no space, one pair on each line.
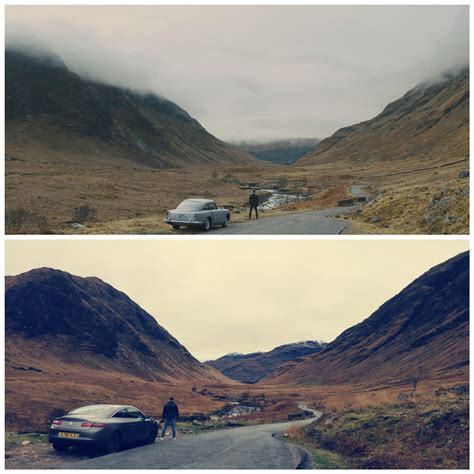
[198,200]
[110,407]
[105,405]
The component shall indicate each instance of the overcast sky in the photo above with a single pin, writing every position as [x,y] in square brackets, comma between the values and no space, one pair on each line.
[221,296]
[256,72]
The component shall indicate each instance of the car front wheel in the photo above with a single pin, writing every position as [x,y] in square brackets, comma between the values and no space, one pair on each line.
[152,436]
[60,447]
[208,224]
[177,227]
[113,444]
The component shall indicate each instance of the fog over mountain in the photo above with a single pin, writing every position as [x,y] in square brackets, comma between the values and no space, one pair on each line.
[255,72]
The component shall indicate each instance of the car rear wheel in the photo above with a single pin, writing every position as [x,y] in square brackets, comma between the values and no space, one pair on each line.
[60,447]
[176,227]
[226,223]
[152,436]
[208,224]
[113,444]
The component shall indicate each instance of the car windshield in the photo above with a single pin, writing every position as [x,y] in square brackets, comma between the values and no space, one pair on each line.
[90,410]
[190,206]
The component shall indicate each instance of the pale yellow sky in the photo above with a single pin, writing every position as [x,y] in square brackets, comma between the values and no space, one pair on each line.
[226,296]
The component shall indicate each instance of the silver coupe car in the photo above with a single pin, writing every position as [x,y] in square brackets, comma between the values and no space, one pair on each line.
[198,213]
[107,427]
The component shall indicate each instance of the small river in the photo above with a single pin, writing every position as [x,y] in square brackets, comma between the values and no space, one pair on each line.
[276,199]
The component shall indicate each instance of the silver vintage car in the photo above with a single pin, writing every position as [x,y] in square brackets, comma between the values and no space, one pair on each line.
[198,213]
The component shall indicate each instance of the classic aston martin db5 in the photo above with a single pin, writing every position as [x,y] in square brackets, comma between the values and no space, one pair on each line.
[198,213]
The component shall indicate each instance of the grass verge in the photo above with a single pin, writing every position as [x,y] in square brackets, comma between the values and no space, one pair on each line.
[425,435]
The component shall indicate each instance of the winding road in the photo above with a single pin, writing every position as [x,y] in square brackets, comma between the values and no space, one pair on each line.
[247,447]
[301,223]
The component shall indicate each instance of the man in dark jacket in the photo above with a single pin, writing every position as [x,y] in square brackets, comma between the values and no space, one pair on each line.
[170,414]
[253,201]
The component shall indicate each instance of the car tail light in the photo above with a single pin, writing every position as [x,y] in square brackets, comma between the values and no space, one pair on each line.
[86,424]
[57,422]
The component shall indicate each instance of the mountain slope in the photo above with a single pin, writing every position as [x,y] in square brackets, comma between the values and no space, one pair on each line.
[88,322]
[73,120]
[425,327]
[250,368]
[282,152]
[431,121]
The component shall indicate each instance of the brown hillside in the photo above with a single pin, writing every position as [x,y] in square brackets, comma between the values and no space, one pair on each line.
[73,341]
[425,328]
[430,121]
[50,111]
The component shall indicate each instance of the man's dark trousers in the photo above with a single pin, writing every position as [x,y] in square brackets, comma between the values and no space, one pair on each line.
[252,206]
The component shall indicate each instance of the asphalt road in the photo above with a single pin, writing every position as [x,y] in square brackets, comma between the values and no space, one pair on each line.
[301,223]
[248,447]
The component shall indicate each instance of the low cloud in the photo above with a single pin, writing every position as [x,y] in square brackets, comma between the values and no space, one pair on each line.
[255,72]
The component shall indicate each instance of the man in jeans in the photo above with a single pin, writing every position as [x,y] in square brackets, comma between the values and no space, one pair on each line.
[170,414]
[253,201]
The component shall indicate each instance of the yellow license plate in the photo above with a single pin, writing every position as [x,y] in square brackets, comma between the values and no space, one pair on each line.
[62,434]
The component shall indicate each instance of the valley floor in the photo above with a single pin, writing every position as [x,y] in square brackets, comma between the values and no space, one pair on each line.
[406,197]
[382,425]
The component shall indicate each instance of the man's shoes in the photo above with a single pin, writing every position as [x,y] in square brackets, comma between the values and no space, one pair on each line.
[161,438]
[174,437]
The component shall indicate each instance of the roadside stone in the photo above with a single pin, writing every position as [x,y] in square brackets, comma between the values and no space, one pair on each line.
[449,219]
[430,217]
[76,225]
[197,423]
[443,202]
[463,174]
[25,443]
[375,219]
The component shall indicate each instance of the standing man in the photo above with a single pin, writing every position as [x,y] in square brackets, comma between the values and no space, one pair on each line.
[253,201]
[170,414]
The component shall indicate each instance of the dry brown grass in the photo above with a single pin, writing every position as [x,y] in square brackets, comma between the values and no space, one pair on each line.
[132,199]
[432,432]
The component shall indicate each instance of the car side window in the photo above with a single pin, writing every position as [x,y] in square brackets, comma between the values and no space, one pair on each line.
[135,414]
[212,205]
[205,207]
[121,414]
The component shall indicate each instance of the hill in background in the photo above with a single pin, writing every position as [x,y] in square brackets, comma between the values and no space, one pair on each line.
[51,111]
[424,330]
[250,368]
[283,152]
[430,121]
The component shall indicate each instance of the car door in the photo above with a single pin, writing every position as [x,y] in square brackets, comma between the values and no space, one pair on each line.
[140,426]
[216,214]
[205,213]
[125,424]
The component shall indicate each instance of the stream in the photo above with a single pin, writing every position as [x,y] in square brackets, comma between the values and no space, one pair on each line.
[276,198]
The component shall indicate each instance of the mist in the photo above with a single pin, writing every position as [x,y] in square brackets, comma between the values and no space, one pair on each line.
[255,72]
